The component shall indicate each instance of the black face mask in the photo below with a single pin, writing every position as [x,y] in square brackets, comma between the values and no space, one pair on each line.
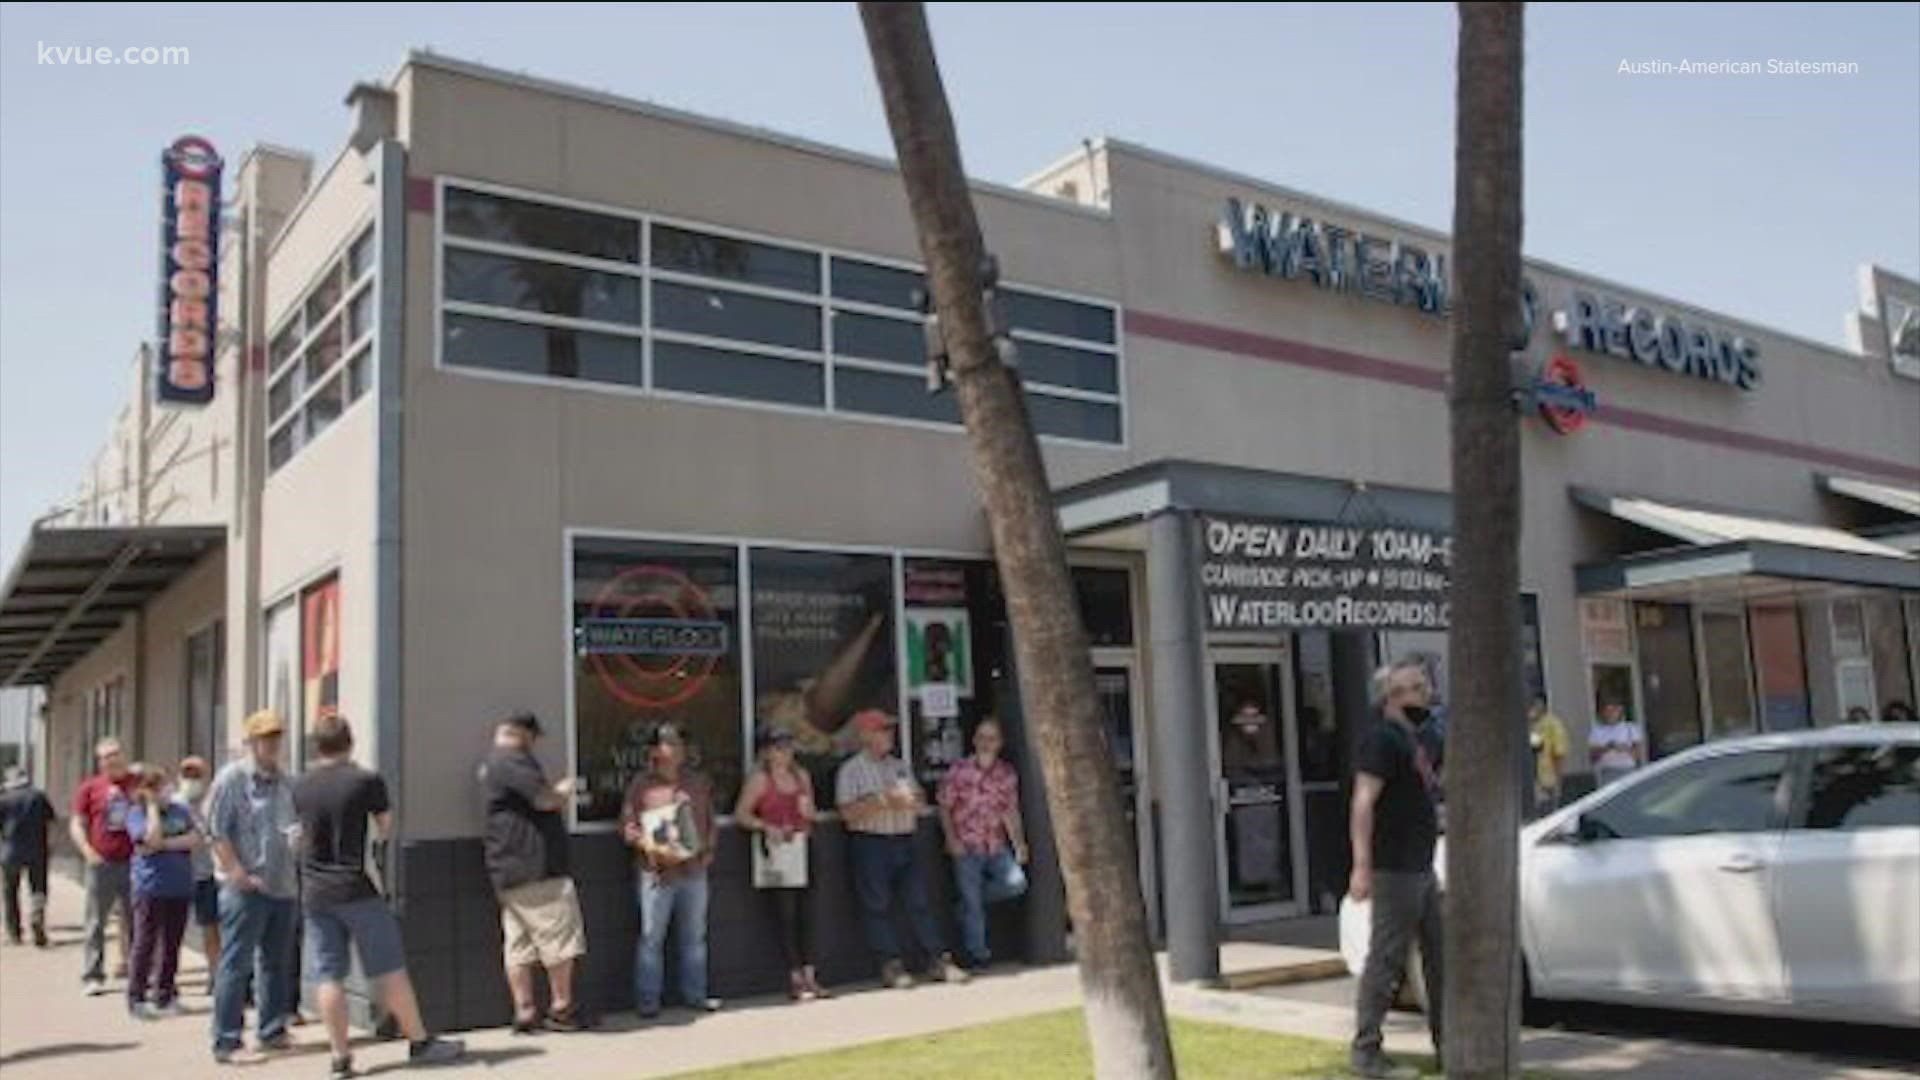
[1416,714]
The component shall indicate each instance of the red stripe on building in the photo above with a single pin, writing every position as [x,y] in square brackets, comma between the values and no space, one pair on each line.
[1263,347]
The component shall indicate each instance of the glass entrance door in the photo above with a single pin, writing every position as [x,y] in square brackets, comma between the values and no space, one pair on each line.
[1261,835]
[1113,683]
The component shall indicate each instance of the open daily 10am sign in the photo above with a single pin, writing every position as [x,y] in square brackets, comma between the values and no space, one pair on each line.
[1288,575]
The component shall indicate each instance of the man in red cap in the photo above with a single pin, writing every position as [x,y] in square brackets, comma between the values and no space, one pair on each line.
[880,803]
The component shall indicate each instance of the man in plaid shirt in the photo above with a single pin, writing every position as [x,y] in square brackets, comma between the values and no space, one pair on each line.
[980,811]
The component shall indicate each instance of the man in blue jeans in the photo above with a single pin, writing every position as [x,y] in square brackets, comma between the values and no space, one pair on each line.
[980,814]
[668,821]
[880,803]
[250,816]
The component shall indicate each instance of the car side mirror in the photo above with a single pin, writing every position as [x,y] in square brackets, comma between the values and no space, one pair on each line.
[1587,829]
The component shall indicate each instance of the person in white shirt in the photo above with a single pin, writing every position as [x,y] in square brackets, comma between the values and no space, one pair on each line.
[1616,746]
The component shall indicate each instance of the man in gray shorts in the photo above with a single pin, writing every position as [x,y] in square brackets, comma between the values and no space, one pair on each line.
[339,804]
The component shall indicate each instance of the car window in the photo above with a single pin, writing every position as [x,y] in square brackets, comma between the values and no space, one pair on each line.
[1865,787]
[1727,793]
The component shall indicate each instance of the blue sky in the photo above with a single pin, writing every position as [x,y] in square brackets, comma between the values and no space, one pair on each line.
[1755,196]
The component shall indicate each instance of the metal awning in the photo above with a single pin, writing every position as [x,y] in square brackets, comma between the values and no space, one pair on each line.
[1885,496]
[69,589]
[1728,556]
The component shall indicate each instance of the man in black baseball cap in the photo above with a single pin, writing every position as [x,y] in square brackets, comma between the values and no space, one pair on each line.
[526,849]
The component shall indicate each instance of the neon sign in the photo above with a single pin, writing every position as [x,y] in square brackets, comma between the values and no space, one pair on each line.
[189,271]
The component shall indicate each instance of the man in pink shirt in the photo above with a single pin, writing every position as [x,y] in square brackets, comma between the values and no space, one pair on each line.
[980,812]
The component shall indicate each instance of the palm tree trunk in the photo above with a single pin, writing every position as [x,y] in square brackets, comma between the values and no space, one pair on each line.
[1485,735]
[1126,1020]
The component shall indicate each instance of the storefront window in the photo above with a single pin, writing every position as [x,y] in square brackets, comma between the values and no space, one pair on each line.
[1723,648]
[1779,655]
[1887,643]
[823,650]
[655,639]
[1106,604]
[955,634]
[1669,687]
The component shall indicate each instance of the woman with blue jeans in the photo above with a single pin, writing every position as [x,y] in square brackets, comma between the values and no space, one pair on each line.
[980,812]
[668,820]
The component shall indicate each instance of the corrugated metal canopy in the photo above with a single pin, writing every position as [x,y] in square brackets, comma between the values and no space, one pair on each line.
[1885,496]
[1711,527]
[69,589]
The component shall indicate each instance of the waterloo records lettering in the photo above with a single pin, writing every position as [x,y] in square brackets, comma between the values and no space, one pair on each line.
[1264,575]
[189,271]
[651,637]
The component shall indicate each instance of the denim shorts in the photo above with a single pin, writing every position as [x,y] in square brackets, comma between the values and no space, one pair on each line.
[369,924]
[206,902]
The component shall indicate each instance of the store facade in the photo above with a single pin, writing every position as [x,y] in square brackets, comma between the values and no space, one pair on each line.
[578,405]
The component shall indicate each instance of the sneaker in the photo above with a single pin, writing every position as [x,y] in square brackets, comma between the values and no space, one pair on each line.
[647,1012]
[277,1044]
[142,1010]
[1378,1066]
[706,1005]
[526,1025]
[893,975]
[342,1069]
[434,1050]
[39,937]
[945,970]
[170,1007]
[236,1055]
[567,1020]
[94,987]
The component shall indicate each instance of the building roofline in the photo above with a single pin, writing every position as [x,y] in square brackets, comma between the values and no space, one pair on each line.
[471,69]
[1428,232]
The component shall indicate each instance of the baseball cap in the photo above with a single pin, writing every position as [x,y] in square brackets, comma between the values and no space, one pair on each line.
[872,720]
[264,723]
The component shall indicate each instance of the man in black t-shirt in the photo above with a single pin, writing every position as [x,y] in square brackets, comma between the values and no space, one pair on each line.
[340,805]
[1393,830]
[526,845]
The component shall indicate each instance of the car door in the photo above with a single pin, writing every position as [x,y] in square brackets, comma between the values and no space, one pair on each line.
[1664,888]
[1847,891]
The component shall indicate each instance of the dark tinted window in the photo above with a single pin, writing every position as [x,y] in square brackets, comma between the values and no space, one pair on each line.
[863,391]
[873,337]
[281,445]
[541,350]
[1062,318]
[701,370]
[695,309]
[480,278]
[871,283]
[735,260]
[323,408]
[1865,787]
[1081,369]
[325,294]
[1730,793]
[360,315]
[1106,605]
[286,342]
[360,256]
[536,225]
[1071,418]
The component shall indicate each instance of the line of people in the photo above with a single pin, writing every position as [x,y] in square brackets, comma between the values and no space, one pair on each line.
[667,821]
[263,861]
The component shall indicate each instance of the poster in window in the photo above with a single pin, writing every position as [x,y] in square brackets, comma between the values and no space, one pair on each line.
[283,655]
[823,649]
[655,639]
[320,653]
[954,625]
[939,651]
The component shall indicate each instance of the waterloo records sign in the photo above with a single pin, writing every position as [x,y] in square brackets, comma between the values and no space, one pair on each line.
[1284,575]
[189,271]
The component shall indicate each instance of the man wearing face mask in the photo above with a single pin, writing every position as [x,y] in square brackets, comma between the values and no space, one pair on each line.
[1393,829]
[206,891]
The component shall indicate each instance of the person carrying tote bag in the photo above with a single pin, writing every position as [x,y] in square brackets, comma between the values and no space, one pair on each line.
[776,808]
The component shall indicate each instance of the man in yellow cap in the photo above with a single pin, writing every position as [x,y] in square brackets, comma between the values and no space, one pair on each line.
[250,814]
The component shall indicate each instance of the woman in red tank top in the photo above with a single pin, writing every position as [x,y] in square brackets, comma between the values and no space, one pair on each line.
[776,806]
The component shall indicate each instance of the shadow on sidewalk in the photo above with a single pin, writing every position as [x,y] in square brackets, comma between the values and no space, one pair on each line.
[68,1049]
[487,1058]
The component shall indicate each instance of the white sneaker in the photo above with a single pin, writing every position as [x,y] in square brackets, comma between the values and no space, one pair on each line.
[94,987]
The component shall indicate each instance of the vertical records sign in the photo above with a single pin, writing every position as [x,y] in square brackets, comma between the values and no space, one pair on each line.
[189,271]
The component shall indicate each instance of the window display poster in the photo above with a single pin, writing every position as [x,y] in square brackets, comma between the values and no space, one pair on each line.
[939,650]
[283,654]
[655,640]
[823,648]
[320,654]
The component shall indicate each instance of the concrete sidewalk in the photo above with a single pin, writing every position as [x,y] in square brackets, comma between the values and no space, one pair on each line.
[48,1029]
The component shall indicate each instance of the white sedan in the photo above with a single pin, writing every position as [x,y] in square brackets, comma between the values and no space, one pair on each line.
[1778,874]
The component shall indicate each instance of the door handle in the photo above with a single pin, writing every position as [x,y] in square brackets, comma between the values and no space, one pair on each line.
[1742,864]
